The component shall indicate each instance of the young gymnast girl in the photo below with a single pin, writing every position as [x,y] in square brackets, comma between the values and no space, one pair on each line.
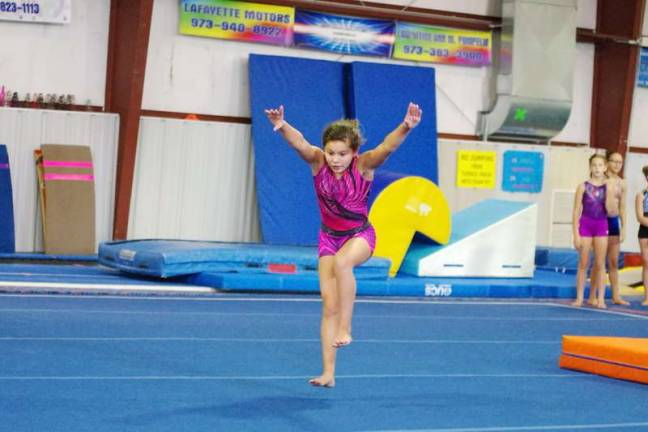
[590,229]
[641,209]
[342,178]
[615,204]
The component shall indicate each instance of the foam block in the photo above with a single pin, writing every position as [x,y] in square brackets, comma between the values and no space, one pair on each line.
[167,258]
[69,200]
[543,285]
[615,357]
[493,238]
[7,233]
[405,207]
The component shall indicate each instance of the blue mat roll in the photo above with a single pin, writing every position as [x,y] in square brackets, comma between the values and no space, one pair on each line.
[7,234]
[167,258]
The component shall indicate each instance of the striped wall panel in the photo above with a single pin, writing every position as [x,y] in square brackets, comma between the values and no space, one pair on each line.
[194,181]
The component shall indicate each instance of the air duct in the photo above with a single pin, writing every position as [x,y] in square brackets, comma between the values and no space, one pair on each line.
[536,69]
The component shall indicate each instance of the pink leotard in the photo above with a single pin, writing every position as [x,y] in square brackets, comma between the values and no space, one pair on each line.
[343,207]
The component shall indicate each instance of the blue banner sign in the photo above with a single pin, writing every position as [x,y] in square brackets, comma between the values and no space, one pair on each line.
[523,171]
[642,76]
[343,34]
[36,11]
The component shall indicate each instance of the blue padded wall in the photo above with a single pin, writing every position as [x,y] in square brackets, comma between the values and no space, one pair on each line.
[378,97]
[7,239]
[313,94]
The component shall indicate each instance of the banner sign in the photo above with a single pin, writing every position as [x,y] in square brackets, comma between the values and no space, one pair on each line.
[523,171]
[476,169]
[234,20]
[37,11]
[442,45]
[343,34]
[642,76]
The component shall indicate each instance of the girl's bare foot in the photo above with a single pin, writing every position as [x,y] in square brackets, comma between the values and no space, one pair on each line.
[601,304]
[592,302]
[644,303]
[343,339]
[577,303]
[620,301]
[322,381]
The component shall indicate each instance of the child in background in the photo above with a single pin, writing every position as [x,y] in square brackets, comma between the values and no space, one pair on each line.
[590,230]
[615,205]
[641,209]
[342,178]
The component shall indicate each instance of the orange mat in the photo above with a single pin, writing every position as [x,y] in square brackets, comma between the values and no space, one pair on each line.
[616,357]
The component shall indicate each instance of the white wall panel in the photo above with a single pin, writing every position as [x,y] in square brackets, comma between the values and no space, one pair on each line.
[564,168]
[58,58]
[194,181]
[24,130]
[638,132]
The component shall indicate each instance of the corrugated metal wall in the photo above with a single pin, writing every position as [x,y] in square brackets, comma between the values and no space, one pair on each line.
[24,130]
[194,181]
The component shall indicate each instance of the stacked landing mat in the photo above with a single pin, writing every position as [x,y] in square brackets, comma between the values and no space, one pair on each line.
[168,258]
[616,357]
[262,268]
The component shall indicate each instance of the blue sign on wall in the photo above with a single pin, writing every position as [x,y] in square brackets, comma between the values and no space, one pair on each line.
[642,75]
[343,34]
[523,171]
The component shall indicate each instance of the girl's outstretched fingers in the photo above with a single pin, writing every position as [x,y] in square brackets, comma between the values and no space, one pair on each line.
[322,381]
[413,115]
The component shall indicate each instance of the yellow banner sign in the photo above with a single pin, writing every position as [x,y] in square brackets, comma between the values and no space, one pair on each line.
[476,169]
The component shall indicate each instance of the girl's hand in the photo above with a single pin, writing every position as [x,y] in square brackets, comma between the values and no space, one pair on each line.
[413,116]
[276,117]
[577,242]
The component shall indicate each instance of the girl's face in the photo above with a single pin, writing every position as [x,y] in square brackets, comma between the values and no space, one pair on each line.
[598,167]
[339,155]
[615,163]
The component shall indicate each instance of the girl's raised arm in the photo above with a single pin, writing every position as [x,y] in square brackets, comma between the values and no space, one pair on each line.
[372,159]
[309,153]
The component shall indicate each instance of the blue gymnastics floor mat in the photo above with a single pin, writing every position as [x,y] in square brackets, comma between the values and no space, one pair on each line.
[168,258]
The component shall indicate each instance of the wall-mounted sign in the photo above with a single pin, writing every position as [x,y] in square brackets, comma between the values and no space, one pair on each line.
[442,45]
[476,169]
[642,75]
[37,11]
[343,34]
[523,171]
[234,20]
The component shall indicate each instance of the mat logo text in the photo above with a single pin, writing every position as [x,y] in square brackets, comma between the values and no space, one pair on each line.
[438,290]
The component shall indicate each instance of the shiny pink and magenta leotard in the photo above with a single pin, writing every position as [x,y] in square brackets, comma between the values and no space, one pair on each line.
[343,207]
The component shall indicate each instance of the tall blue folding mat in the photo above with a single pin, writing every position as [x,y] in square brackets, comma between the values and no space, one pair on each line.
[7,236]
[378,96]
[312,92]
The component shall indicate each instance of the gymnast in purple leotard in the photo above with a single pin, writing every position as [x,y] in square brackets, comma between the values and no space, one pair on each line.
[342,178]
[590,230]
